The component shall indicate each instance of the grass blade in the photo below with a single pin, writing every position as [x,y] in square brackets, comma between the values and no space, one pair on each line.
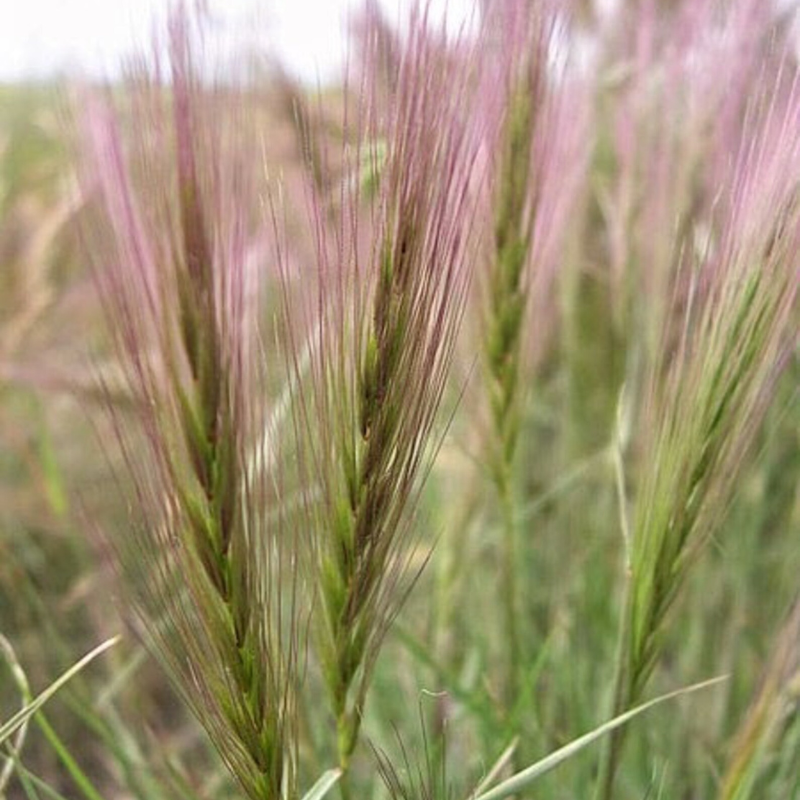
[325,783]
[521,780]
[8,728]
[497,768]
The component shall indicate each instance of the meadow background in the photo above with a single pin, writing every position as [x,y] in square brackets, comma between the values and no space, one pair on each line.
[535,524]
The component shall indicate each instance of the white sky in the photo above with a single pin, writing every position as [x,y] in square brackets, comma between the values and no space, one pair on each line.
[40,38]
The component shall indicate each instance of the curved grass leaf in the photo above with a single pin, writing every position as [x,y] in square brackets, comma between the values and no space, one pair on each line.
[521,780]
[325,783]
[8,728]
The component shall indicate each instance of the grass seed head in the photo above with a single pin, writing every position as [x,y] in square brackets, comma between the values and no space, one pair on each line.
[211,578]
[387,318]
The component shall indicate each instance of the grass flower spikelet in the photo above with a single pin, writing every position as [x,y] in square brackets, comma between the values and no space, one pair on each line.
[386,330]
[208,574]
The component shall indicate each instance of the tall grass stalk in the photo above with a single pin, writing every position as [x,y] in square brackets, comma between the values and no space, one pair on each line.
[208,570]
[707,396]
[539,146]
[392,281]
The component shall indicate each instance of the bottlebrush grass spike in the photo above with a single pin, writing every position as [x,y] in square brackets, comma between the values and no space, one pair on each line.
[211,578]
[388,315]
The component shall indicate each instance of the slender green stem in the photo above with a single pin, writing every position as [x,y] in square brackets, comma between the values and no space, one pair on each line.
[81,779]
[609,759]
[450,566]
[612,747]
[510,589]
[344,786]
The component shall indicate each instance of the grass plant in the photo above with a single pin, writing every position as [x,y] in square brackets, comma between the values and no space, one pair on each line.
[706,399]
[388,313]
[208,572]
[461,394]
